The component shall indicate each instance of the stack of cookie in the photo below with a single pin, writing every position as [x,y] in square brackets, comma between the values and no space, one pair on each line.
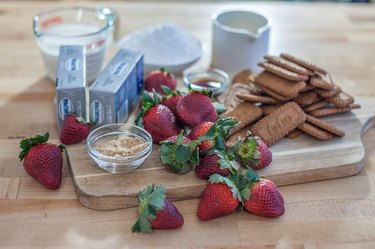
[286,99]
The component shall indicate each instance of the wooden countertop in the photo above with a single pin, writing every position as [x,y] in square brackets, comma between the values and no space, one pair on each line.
[336,213]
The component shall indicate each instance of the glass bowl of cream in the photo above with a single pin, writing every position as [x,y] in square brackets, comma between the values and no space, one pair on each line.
[119,148]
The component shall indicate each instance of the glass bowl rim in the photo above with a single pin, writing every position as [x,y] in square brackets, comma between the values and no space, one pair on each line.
[39,33]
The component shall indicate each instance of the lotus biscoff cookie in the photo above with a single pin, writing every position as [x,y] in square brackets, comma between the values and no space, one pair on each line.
[231,99]
[279,123]
[294,134]
[282,72]
[315,131]
[257,98]
[288,65]
[303,63]
[341,100]
[325,111]
[328,93]
[245,113]
[307,98]
[268,109]
[315,106]
[324,125]
[318,82]
[276,84]
[242,77]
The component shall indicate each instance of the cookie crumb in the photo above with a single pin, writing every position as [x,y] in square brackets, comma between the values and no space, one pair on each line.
[120,145]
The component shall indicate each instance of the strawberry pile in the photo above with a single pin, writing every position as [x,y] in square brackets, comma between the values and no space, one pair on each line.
[192,138]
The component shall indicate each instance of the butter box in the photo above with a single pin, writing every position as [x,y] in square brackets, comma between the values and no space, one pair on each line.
[71,82]
[117,88]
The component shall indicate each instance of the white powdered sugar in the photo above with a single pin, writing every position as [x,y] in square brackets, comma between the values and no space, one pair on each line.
[164,45]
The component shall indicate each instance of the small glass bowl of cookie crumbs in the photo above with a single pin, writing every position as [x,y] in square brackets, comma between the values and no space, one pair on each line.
[119,148]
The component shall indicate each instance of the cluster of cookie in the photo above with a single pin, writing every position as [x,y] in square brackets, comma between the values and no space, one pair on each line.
[286,100]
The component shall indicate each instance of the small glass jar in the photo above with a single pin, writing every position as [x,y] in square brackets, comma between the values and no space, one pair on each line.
[211,79]
[104,146]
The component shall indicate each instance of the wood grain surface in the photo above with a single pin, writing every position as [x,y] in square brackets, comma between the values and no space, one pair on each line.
[338,213]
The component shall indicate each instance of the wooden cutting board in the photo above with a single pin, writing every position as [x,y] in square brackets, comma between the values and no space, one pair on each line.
[299,160]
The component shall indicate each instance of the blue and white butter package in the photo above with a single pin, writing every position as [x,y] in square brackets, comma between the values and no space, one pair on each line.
[117,89]
[71,82]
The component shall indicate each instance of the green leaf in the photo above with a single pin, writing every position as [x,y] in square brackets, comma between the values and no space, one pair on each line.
[142,225]
[245,192]
[216,178]
[167,153]
[179,158]
[250,174]
[28,143]
[167,90]
[152,200]
[220,143]
[183,153]
[180,138]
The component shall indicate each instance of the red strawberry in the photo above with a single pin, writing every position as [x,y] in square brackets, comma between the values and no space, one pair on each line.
[171,98]
[179,154]
[173,139]
[210,165]
[261,197]
[195,108]
[156,79]
[157,119]
[212,134]
[200,130]
[42,160]
[74,129]
[265,157]
[219,198]
[171,102]
[155,211]
[253,152]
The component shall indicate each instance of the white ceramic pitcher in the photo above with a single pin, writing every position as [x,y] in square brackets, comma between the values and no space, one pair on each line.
[240,40]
